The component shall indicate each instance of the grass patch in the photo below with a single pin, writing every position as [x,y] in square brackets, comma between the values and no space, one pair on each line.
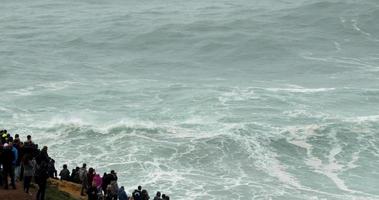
[52,193]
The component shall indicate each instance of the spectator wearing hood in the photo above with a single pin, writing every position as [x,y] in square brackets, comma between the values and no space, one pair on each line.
[158,196]
[145,195]
[122,194]
[98,181]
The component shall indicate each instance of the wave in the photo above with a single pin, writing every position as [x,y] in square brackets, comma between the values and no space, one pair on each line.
[41,88]
[329,149]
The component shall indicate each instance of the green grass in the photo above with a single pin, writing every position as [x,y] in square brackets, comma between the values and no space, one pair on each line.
[52,193]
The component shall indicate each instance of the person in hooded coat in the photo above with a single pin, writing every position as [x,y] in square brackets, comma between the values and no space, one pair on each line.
[122,194]
[158,196]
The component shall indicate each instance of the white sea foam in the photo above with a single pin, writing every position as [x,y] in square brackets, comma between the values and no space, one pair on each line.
[22,92]
[55,86]
[41,87]
[363,119]
[356,27]
[131,86]
[300,90]
[238,94]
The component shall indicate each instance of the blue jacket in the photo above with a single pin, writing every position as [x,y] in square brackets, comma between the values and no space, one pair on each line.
[122,194]
[15,155]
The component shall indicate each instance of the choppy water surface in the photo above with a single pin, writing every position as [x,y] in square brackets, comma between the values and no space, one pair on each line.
[201,99]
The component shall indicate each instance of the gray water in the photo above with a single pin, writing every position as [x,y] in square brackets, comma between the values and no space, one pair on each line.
[202,100]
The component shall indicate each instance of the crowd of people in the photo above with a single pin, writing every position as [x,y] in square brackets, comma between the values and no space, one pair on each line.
[24,161]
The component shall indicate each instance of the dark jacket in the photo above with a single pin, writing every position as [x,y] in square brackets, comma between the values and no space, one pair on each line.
[41,173]
[65,174]
[42,157]
[122,194]
[7,157]
[92,193]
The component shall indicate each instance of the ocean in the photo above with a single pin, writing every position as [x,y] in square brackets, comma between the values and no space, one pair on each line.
[201,100]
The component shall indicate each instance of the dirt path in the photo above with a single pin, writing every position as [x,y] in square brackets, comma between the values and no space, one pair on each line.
[17,194]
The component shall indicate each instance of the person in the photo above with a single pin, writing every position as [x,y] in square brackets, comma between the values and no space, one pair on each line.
[90,175]
[18,145]
[98,181]
[158,196]
[9,136]
[28,164]
[92,192]
[145,195]
[109,179]
[114,175]
[42,174]
[113,183]
[43,156]
[51,169]
[4,136]
[122,194]
[7,159]
[104,183]
[29,139]
[75,175]
[137,194]
[108,194]
[64,173]
[14,161]
[167,198]
[29,146]
[83,178]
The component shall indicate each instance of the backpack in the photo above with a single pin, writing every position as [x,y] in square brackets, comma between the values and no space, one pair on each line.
[136,195]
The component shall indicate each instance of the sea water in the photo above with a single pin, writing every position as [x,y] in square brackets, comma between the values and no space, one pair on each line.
[205,100]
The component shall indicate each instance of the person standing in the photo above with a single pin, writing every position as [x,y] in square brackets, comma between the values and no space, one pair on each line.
[7,159]
[122,194]
[18,145]
[92,192]
[28,164]
[83,178]
[42,174]
[158,196]
[14,163]
[65,173]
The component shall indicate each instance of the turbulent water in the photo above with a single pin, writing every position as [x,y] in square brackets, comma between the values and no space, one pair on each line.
[205,100]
